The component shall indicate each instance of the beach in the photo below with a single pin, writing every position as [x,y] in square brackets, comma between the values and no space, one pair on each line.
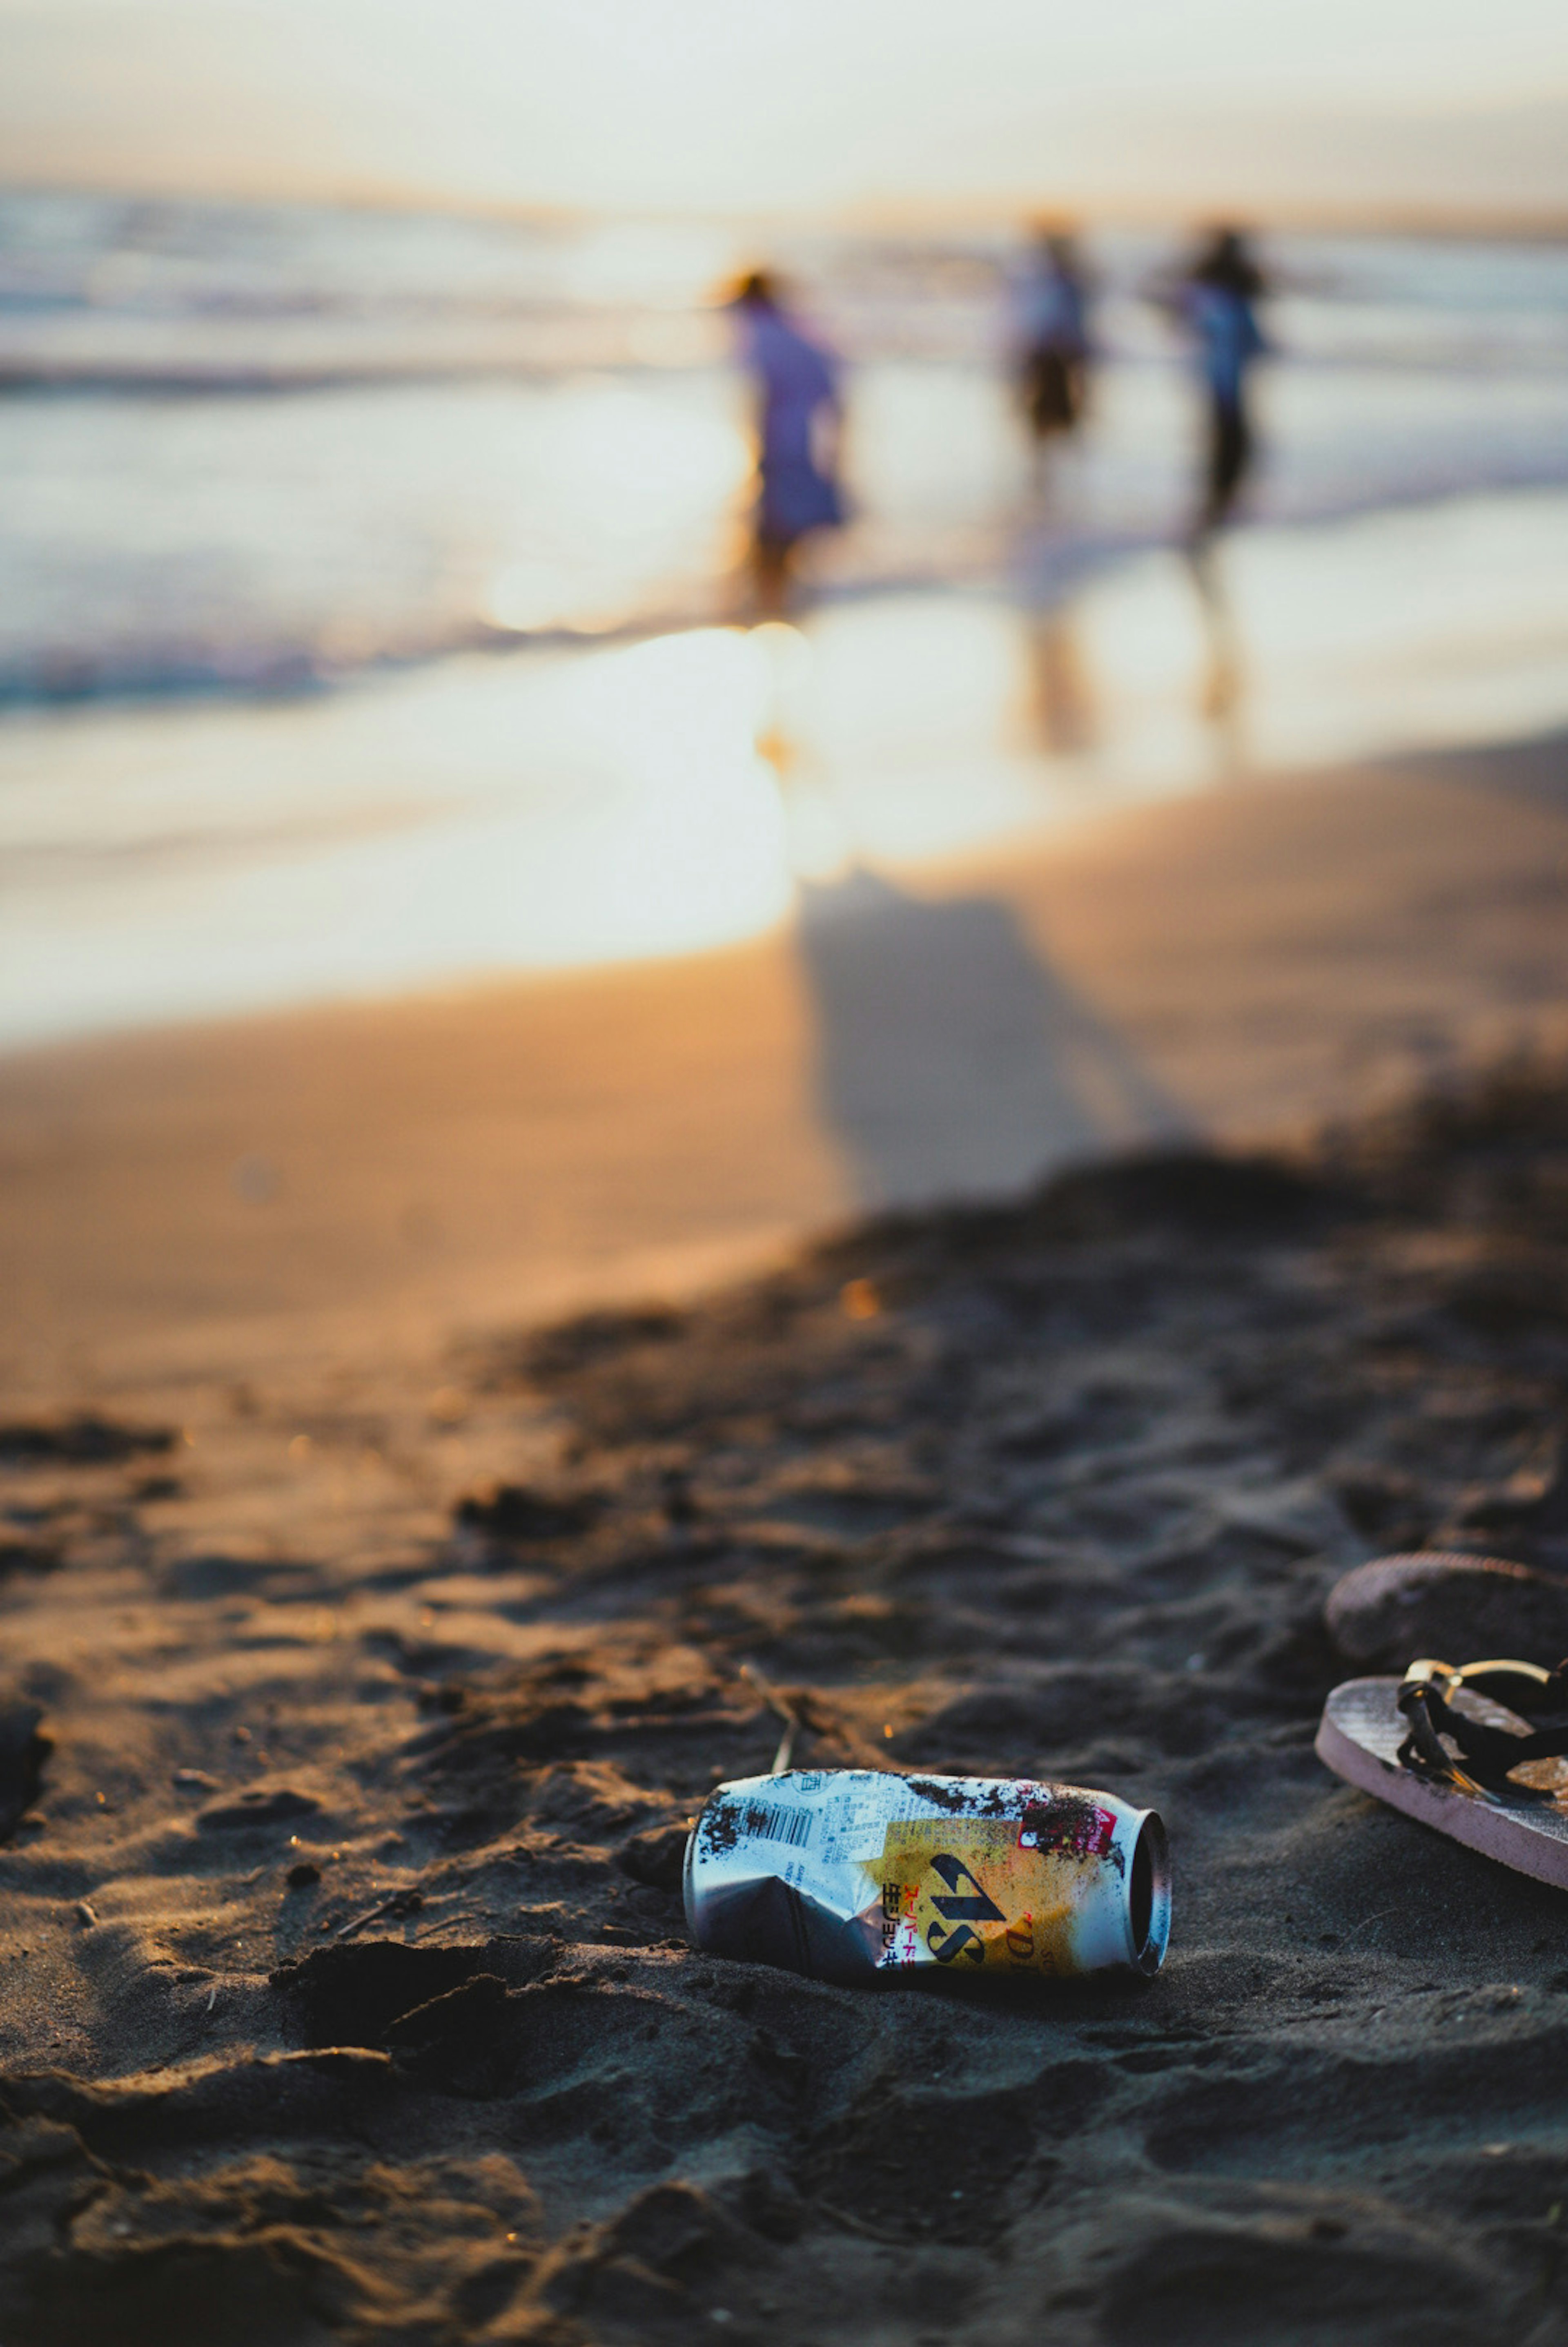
[418,1412]
[1238,965]
[578,1173]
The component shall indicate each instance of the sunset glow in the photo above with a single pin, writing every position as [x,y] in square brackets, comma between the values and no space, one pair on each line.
[693,103]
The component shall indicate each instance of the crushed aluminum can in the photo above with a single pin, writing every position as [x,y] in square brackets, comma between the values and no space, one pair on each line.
[851,1875]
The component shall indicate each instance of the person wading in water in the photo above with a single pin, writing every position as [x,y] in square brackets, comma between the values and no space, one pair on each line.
[1051,307]
[798,417]
[1218,299]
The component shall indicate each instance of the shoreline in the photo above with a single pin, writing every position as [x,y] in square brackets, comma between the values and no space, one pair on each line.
[553,811]
[1235,967]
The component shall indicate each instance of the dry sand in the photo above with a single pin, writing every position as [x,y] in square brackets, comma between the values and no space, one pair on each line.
[379,1649]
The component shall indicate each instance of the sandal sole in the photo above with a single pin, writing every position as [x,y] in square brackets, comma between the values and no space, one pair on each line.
[1359,1738]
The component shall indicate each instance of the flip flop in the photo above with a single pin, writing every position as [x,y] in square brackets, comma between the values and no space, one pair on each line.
[1479,1753]
[1433,1602]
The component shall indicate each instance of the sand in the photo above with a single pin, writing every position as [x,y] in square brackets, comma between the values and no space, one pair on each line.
[367,1648]
[207,1201]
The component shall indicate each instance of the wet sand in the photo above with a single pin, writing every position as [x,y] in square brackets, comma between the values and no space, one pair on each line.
[368,1648]
[191,1202]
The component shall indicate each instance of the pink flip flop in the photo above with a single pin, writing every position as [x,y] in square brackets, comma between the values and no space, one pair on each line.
[1479,1753]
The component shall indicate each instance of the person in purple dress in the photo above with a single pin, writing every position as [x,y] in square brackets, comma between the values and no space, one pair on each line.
[798,416]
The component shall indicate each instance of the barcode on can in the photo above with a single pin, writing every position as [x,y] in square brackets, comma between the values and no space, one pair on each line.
[778,1822]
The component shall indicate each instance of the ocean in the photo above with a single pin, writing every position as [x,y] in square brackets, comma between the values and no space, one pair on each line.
[370,580]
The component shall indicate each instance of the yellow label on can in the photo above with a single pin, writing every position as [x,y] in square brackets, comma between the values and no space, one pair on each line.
[993,1892]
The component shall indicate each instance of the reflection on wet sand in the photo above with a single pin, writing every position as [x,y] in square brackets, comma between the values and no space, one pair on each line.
[1062,694]
[551,808]
[1221,691]
[948,1059]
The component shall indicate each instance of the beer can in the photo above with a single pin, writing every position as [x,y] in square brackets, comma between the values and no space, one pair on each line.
[853,1875]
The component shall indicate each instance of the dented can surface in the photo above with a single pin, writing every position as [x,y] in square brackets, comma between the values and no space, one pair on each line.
[852,1875]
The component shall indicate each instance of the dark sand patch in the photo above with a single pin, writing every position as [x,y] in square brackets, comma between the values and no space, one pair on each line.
[343,1990]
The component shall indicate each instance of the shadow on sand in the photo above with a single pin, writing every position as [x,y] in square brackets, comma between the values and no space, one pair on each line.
[949,1062]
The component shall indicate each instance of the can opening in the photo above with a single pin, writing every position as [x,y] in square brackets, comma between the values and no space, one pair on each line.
[1149,1896]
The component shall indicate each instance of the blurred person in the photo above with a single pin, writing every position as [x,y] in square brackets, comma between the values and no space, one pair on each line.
[800,415]
[1052,305]
[1216,301]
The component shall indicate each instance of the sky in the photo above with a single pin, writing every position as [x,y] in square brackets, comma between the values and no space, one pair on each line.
[766,105]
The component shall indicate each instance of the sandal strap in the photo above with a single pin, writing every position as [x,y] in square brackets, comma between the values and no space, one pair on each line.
[1534,1694]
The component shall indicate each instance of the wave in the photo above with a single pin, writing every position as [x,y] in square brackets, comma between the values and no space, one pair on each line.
[200,378]
[156,672]
[609,347]
[1036,571]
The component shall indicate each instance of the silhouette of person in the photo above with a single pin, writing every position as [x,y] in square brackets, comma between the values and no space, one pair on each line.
[1052,300]
[798,416]
[1218,299]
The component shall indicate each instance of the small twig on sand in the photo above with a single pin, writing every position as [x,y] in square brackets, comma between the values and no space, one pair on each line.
[401,1903]
[1362,1925]
[852,2224]
[793,1723]
[808,1715]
